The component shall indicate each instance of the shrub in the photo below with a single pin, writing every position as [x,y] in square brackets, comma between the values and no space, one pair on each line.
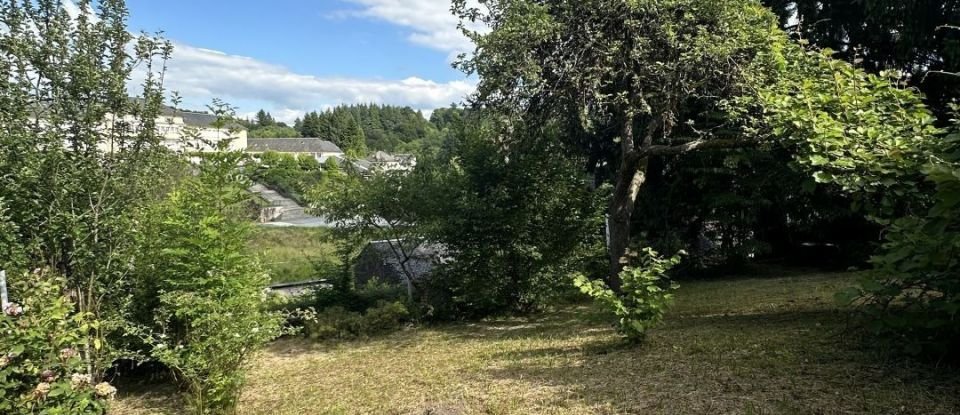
[41,366]
[359,299]
[644,295]
[914,297]
[209,314]
[384,317]
[339,323]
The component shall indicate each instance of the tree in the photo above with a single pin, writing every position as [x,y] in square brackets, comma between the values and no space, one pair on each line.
[205,307]
[880,143]
[264,119]
[352,140]
[384,206]
[384,127]
[273,131]
[627,80]
[79,159]
[515,222]
[919,38]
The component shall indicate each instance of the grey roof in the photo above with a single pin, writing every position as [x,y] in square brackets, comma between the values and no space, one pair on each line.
[384,157]
[196,119]
[291,145]
[381,156]
[423,258]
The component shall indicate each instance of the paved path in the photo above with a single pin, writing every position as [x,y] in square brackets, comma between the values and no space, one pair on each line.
[286,211]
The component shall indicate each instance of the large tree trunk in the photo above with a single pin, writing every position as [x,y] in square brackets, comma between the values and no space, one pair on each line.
[629,181]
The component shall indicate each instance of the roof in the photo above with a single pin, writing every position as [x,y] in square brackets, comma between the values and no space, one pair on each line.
[384,157]
[196,118]
[423,258]
[291,145]
[381,156]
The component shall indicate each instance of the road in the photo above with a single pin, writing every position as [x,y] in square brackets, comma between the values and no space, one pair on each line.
[285,212]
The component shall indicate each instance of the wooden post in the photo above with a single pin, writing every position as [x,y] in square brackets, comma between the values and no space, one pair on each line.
[3,290]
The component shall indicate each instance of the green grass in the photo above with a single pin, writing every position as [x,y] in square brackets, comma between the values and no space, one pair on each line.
[737,346]
[290,254]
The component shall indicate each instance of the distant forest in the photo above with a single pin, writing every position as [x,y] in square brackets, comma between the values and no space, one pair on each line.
[364,128]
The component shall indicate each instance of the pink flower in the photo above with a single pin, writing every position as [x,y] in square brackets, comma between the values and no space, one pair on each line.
[48,376]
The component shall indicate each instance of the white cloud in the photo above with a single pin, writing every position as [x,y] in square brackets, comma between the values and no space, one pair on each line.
[200,74]
[432,23]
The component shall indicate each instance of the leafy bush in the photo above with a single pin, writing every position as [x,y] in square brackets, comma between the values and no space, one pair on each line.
[288,175]
[516,222]
[384,317]
[208,311]
[41,366]
[357,299]
[339,323]
[881,144]
[645,293]
[914,295]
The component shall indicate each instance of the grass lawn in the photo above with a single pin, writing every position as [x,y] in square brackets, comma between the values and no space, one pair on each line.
[738,346]
[289,254]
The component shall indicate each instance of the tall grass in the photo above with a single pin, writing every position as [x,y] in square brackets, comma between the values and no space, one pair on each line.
[294,254]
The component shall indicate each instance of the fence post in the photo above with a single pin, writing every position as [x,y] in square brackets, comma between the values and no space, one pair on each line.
[3,290]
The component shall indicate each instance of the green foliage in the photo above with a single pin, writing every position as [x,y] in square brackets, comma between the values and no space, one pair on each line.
[264,119]
[42,368]
[645,294]
[290,176]
[516,223]
[265,126]
[273,131]
[856,130]
[9,241]
[339,323]
[72,189]
[357,299]
[728,207]
[206,317]
[384,206]
[917,37]
[295,254]
[879,143]
[381,128]
[914,297]
[625,82]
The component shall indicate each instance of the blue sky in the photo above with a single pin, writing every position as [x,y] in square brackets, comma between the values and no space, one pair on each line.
[292,56]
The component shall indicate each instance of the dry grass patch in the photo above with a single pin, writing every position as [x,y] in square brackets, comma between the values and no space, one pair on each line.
[763,346]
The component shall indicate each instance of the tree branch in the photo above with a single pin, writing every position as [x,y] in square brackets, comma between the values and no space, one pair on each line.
[940,73]
[694,145]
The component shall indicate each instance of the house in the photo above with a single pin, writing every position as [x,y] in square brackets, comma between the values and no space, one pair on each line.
[186,131]
[298,147]
[384,161]
[382,260]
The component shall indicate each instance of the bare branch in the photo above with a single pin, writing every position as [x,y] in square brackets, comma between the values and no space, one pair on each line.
[700,144]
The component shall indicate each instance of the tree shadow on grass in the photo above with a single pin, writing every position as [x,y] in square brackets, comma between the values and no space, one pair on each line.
[783,362]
